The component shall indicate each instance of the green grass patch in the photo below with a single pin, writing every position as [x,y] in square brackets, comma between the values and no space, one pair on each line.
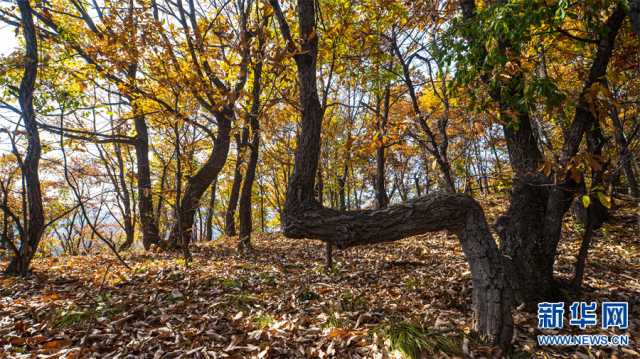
[414,341]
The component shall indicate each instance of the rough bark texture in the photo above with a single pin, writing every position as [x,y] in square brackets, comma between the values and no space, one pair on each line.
[198,183]
[148,221]
[19,264]
[530,230]
[304,217]
[254,147]
[381,192]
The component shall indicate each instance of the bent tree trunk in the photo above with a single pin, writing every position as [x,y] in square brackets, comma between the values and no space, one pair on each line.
[198,183]
[19,264]
[304,217]
[457,213]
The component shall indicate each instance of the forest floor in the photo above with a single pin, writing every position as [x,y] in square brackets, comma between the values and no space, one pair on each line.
[280,302]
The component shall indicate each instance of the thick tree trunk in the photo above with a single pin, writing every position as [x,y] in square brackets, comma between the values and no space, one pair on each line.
[198,183]
[531,228]
[19,264]
[230,214]
[246,220]
[305,218]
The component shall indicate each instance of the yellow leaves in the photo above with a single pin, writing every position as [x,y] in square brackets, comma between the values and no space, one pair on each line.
[604,199]
[377,141]
[586,201]
[338,333]
[50,297]
[267,10]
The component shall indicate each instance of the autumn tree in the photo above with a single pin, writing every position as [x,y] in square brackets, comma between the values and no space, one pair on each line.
[304,217]
[32,228]
[493,50]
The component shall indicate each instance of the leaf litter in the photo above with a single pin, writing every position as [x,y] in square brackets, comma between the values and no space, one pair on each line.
[280,302]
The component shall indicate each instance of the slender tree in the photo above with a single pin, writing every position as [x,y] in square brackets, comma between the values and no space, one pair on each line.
[21,260]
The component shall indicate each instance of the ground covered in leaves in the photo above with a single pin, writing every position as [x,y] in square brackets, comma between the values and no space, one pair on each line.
[411,296]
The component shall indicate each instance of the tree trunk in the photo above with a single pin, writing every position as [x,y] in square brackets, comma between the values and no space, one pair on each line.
[531,228]
[245,217]
[230,215]
[19,264]
[305,218]
[125,199]
[262,194]
[202,179]
[150,234]
[381,193]
[634,13]
[581,260]
[561,195]
[626,157]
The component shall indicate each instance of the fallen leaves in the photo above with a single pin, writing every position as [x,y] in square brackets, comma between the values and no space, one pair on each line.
[280,303]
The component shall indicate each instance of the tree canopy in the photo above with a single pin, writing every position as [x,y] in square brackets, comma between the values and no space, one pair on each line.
[163,125]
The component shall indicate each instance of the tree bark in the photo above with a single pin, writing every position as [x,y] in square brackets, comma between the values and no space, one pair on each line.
[230,214]
[634,13]
[150,235]
[246,221]
[128,220]
[381,192]
[581,260]
[531,228]
[19,264]
[202,179]
[626,157]
[562,195]
[304,217]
